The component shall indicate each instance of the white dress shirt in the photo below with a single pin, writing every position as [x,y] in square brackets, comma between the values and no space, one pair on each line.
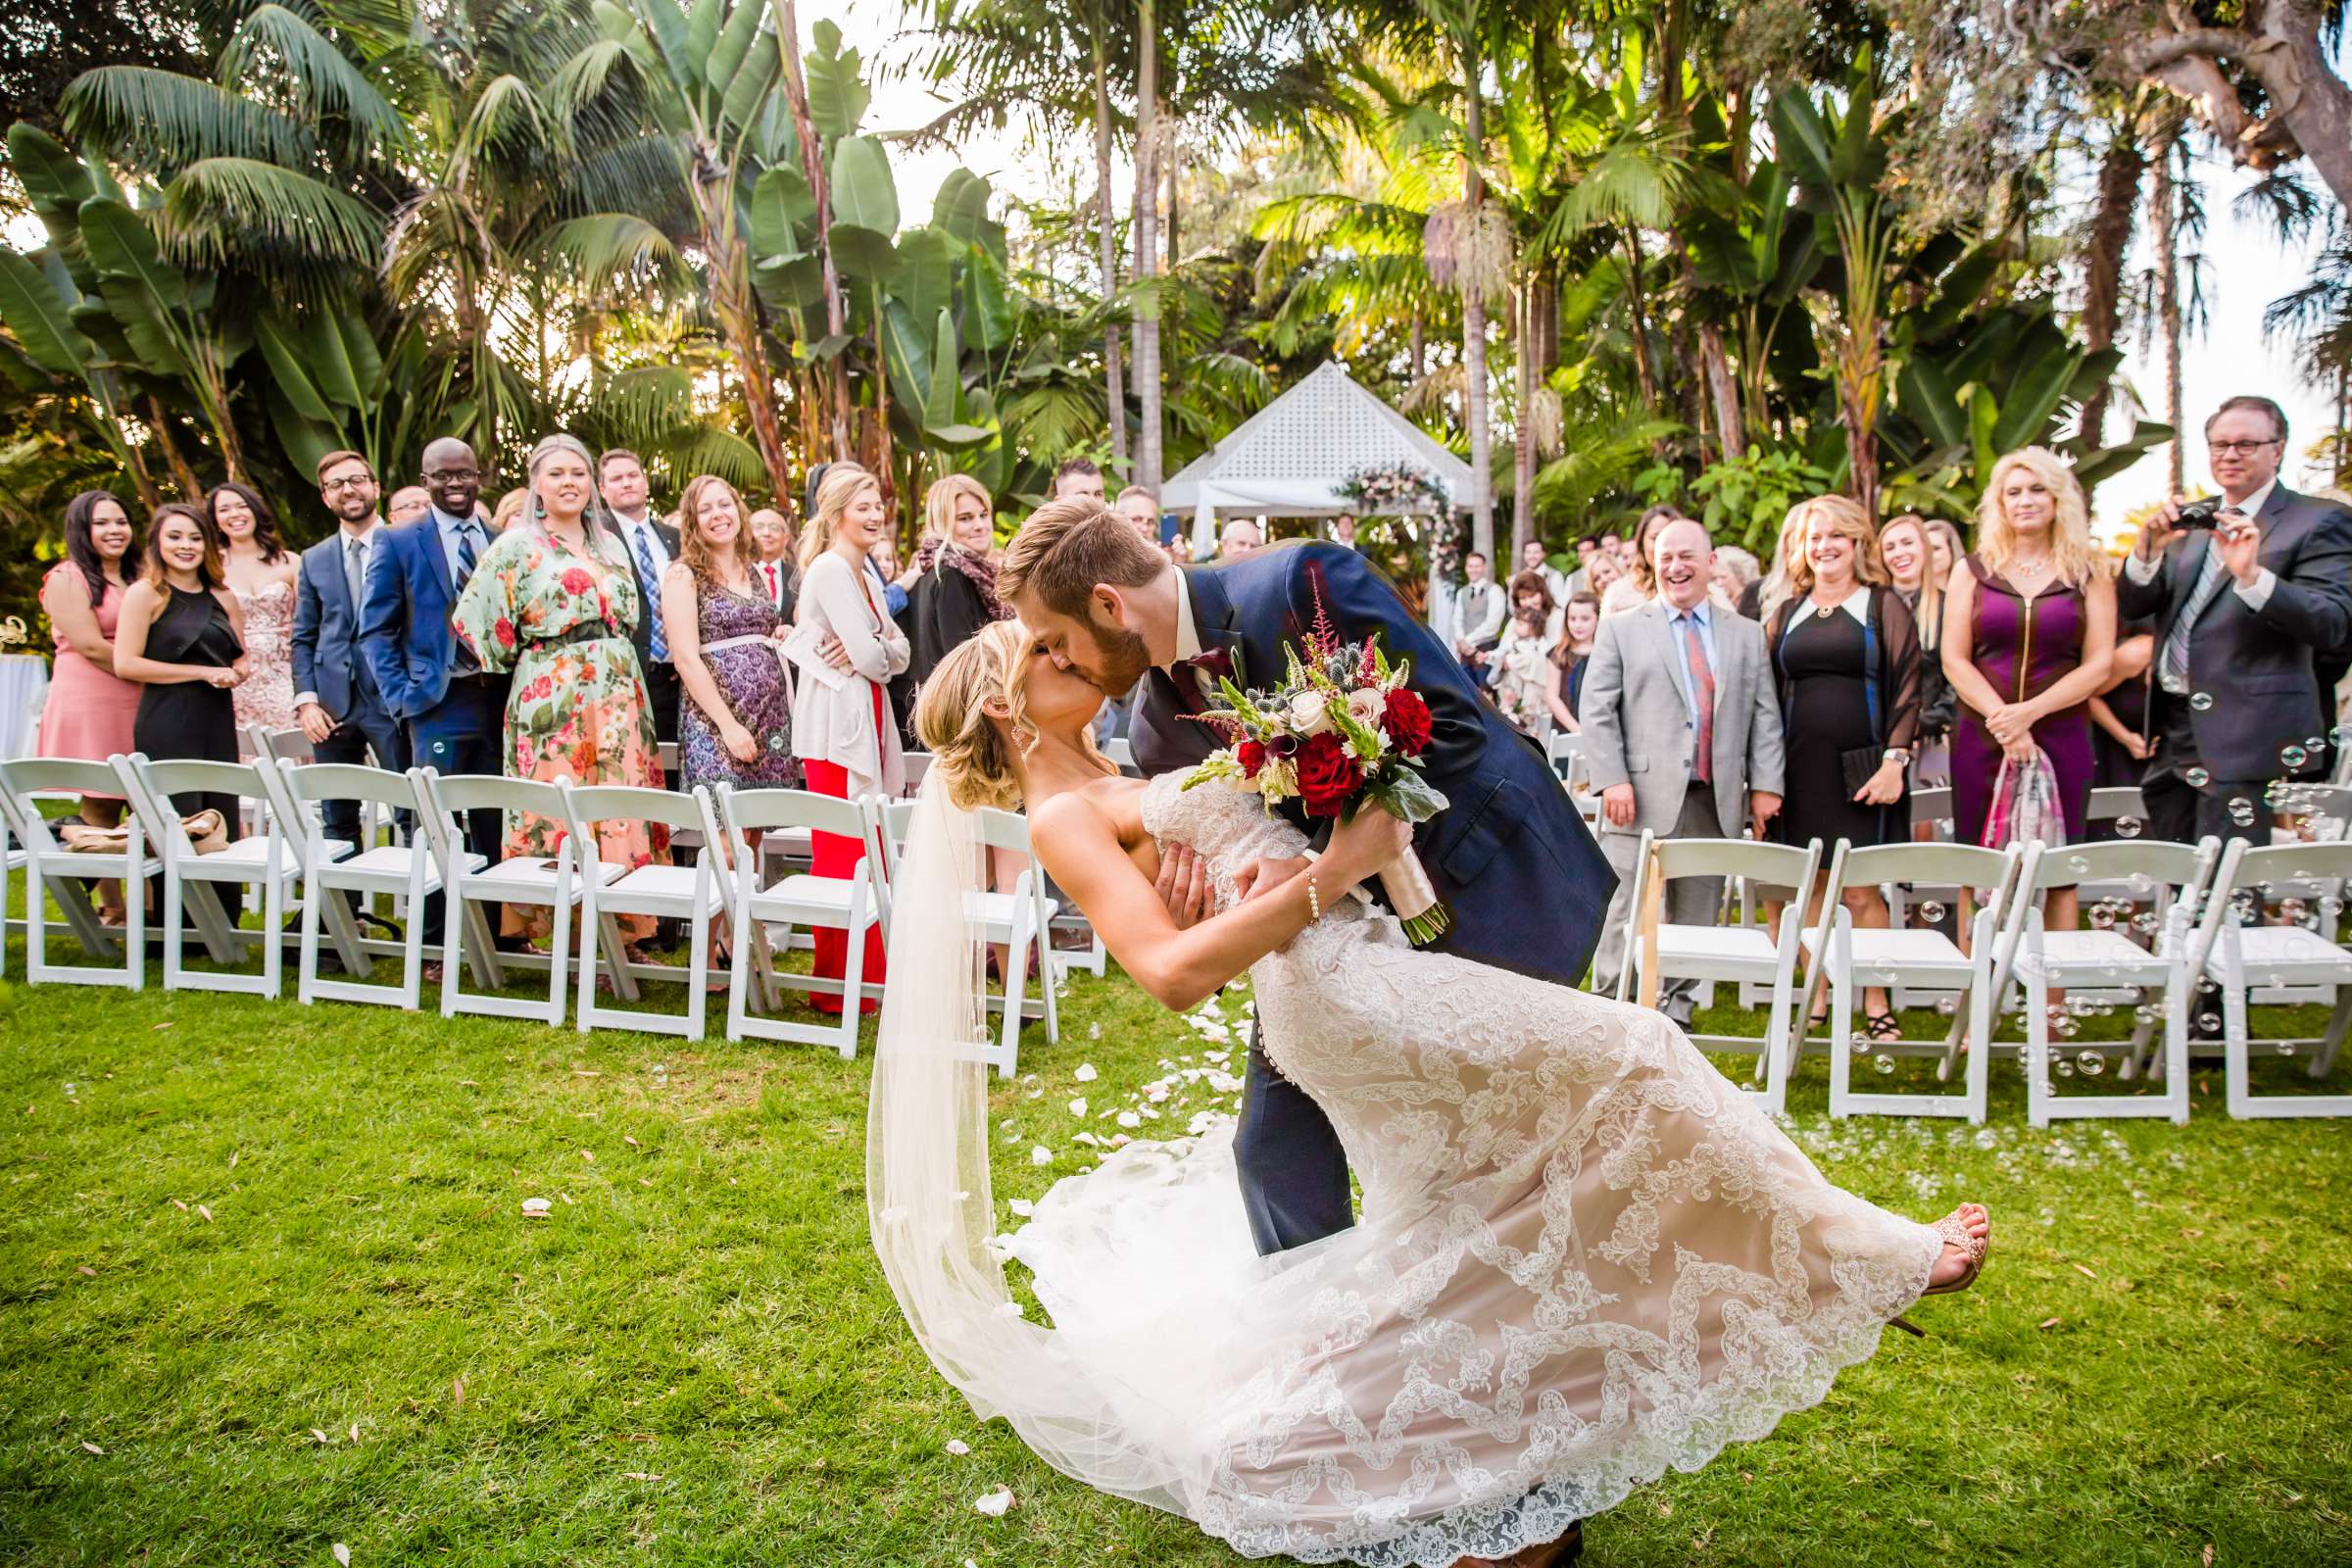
[2257,593]
[344,539]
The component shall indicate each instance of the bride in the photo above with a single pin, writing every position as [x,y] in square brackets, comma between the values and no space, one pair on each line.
[1583,1255]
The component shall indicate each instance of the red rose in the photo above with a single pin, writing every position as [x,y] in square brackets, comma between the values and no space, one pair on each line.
[1328,775]
[577,581]
[1251,756]
[504,631]
[1406,721]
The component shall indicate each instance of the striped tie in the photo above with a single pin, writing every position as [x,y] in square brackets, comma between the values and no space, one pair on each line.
[657,643]
[2173,671]
[1702,696]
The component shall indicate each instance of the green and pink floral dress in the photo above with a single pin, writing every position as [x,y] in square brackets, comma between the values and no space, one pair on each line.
[560,622]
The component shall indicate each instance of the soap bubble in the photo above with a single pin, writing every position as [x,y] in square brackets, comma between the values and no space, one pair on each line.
[2091,1064]
[1882,1064]
[2202,701]
[2127,827]
[2197,778]
[1931,911]
[2292,756]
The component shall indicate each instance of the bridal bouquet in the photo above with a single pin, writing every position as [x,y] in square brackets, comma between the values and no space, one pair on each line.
[1343,731]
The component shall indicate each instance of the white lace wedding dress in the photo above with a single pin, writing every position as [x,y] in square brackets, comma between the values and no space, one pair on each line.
[1583,1258]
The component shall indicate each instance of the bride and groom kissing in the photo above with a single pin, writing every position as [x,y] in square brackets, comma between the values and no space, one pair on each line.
[1582,1255]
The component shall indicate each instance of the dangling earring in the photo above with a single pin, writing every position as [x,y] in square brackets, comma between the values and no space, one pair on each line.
[1025,737]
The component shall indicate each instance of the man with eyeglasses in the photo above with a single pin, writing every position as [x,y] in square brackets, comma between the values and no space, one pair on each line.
[2249,598]
[336,700]
[454,710]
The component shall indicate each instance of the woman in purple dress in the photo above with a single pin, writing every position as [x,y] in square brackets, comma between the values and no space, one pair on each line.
[2029,632]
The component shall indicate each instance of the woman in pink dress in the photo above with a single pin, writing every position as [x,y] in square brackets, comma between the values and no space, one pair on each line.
[261,573]
[89,708]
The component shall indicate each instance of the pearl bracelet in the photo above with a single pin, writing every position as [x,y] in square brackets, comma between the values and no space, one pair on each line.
[1314,905]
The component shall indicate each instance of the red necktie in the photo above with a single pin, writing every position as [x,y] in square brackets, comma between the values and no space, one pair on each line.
[1702,693]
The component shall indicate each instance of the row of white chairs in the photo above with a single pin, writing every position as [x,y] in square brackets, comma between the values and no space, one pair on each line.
[2198,898]
[297,869]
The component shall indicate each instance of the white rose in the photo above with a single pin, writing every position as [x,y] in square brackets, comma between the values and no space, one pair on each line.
[1310,712]
[1366,705]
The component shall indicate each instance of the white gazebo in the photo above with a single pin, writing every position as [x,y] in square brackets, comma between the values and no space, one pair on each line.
[1287,459]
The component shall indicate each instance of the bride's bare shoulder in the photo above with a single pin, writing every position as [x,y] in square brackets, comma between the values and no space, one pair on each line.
[1112,807]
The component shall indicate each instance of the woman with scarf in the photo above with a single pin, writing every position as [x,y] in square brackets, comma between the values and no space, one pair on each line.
[954,590]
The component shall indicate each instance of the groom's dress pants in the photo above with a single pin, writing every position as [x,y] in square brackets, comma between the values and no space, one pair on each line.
[1293,1173]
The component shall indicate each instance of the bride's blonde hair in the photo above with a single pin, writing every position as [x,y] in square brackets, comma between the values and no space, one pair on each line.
[973,750]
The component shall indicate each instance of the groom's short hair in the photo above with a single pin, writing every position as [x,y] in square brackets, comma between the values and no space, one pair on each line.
[1067,547]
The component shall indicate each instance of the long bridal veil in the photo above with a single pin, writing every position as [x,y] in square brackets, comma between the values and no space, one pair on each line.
[928,1199]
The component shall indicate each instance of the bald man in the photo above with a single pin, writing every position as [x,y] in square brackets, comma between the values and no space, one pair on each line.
[1240,539]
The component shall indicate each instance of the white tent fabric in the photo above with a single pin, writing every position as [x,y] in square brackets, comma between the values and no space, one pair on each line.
[1286,458]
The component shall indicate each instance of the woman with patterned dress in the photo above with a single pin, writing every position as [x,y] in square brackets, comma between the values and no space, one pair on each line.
[2028,640]
[261,572]
[554,601]
[90,709]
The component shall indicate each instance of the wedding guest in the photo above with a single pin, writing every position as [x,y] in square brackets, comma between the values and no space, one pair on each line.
[2029,636]
[337,700]
[91,710]
[1908,551]
[1571,656]
[883,560]
[1602,576]
[1533,558]
[553,604]
[181,635]
[1343,529]
[408,504]
[1640,584]
[1531,591]
[2120,752]
[510,508]
[260,570]
[1845,668]
[1523,676]
[432,682]
[2245,605]
[1682,737]
[726,639]
[771,559]
[1581,579]
[1945,547]
[1077,476]
[954,593]
[1241,538]
[1737,580]
[1791,543]
[844,729]
[1478,607]
[652,545]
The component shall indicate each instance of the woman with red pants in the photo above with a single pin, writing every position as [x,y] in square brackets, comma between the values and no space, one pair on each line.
[843,729]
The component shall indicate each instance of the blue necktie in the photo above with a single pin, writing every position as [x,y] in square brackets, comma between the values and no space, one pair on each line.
[656,644]
[469,552]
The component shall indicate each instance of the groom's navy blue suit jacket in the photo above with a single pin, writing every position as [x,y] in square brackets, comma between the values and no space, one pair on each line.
[1509,855]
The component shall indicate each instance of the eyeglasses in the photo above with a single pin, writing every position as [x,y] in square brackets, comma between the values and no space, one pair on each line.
[454,476]
[2238,449]
[355,483]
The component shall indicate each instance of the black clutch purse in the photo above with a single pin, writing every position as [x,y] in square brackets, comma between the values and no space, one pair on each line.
[1859,766]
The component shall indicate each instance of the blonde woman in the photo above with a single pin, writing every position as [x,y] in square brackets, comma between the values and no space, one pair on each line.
[843,729]
[953,593]
[2028,639]
[1909,550]
[1845,663]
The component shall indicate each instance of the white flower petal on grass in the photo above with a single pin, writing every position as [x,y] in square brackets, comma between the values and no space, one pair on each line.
[342,1554]
[1088,1139]
[1085,1073]
[534,1208]
[1128,1118]
[958,1448]
[1078,1107]
[994,1504]
[1022,1208]
[1041,1155]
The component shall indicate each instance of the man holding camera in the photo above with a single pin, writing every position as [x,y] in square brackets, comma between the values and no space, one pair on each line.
[2246,593]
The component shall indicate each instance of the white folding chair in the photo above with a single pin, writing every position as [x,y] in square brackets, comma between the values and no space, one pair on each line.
[2238,957]
[260,859]
[51,870]
[12,861]
[1121,752]
[847,904]
[1738,952]
[917,765]
[1566,752]
[660,888]
[1924,959]
[551,883]
[2173,877]
[408,871]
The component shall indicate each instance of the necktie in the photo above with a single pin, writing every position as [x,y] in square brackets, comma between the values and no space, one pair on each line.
[469,552]
[655,643]
[1702,694]
[2174,669]
[775,588]
[355,572]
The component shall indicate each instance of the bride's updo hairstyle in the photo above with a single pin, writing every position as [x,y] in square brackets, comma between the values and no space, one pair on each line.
[971,749]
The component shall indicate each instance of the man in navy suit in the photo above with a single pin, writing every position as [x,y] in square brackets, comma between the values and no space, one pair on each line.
[335,696]
[453,709]
[2247,611]
[1509,856]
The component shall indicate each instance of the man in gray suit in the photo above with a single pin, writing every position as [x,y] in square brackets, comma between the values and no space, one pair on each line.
[1682,737]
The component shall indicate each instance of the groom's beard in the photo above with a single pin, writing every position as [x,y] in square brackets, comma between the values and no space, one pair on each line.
[1124,658]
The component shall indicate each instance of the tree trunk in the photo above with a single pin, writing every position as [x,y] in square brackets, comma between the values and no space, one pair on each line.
[2311,106]
[1420,349]
[1645,375]
[1523,434]
[1173,152]
[191,488]
[1731,427]
[1114,392]
[2164,200]
[2111,225]
[813,167]
[736,310]
[1148,109]
[1474,316]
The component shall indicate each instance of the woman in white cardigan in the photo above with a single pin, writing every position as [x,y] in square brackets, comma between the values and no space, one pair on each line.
[843,729]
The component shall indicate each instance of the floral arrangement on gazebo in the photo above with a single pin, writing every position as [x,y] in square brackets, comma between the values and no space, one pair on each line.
[1392,490]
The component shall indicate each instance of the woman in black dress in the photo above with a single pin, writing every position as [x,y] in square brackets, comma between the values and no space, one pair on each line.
[1845,664]
[953,593]
[182,638]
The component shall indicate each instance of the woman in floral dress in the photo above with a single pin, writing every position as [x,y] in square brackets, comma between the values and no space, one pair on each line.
[261,573]
[554,601]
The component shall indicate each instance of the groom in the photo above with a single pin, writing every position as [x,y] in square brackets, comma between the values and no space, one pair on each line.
[1509,855]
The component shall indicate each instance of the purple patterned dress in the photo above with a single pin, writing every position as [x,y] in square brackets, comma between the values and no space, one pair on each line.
[2022,646]
[751,679]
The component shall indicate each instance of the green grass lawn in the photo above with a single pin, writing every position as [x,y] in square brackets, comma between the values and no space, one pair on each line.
[270,1288]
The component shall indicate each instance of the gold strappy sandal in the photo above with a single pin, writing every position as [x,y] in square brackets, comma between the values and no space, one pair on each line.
[1974,1248]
